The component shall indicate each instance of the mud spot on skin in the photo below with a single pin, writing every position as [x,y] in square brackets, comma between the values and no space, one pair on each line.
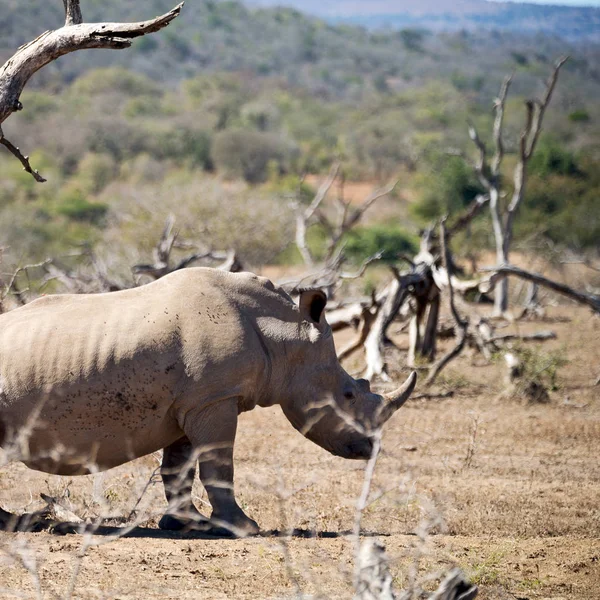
[169,369]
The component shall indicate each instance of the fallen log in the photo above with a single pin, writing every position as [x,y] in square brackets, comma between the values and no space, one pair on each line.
[539,336]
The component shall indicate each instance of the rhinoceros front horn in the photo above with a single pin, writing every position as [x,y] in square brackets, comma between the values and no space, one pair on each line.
[394,400]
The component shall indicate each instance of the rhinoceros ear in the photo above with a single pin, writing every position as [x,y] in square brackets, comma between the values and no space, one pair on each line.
[312,305]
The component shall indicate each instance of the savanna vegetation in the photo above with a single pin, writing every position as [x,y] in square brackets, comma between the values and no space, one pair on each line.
[233,107]
[274,134]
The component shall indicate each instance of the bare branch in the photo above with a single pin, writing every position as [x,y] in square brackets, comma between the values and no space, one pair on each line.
[51,45]
[502,271]
[368,316]
[499,107]
[13,280]
[303,217]
[469,214]
[349,220]
[581,261]
[24,159]
[462,325]
[481,162]
[73,14]
[528,142]
[539,336]
[364,207]
[363,267]
[162,256]
[362,501]
[543,104]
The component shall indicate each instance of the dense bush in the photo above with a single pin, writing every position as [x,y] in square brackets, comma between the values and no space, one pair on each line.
[447,186]
[553,158]
[563,205]
[364,242]
[75,205]
[248,154]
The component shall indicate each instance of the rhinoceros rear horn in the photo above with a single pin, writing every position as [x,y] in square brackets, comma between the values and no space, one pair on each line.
[394,400]
[312,304]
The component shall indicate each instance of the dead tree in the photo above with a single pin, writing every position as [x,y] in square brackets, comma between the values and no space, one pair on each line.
[330,271]
[490,176]
[162,256]
[89,274]
[423,285]
[51,45]
[417,283]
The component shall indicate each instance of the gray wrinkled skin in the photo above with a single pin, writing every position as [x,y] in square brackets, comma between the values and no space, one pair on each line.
[103,379]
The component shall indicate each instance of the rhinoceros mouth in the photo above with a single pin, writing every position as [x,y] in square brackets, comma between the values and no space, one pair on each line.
[358,450]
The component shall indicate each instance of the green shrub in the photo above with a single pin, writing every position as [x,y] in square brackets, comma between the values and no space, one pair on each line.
[76,207]
[412,39]
[96,171]
[247,154]
[520,58]
[538,371]
[552,158]
[446,188]
[112,80]
[363,242]
[38,105]
[579,116]
[186,145]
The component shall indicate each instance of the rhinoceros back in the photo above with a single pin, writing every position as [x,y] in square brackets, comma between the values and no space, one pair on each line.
[100,373]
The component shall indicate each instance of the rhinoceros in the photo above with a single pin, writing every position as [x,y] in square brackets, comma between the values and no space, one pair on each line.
[89,382]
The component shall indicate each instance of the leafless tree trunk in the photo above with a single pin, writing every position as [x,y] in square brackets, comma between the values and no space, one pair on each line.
[75,35]
[489,174]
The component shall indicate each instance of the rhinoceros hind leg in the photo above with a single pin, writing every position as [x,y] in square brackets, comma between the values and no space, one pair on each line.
[177,470]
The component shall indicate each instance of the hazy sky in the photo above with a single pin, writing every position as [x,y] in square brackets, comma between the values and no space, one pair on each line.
[574,2]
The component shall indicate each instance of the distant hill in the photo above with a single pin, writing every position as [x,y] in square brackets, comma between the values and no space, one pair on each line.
[327,59]
[570,22]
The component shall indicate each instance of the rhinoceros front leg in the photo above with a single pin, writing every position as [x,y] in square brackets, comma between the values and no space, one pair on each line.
[177,471]
[212,434]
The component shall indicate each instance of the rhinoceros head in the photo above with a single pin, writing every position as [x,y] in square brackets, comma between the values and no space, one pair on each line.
[321,400]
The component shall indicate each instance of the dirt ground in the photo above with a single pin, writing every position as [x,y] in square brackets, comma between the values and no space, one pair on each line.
[508,491]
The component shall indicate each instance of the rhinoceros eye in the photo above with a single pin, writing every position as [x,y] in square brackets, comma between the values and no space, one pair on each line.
[349,395]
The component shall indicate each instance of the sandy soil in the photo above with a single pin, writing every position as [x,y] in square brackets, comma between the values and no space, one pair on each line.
[510,493]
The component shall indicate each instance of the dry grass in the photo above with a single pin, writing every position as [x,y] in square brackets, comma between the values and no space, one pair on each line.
[519,500]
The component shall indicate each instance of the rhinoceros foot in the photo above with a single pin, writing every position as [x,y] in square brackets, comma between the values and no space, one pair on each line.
[173,523]
[238,523]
